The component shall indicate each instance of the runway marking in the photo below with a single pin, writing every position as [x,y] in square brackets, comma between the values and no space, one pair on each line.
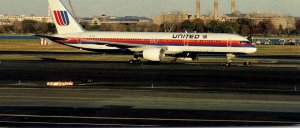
[148,119]
[142,89]
[56,98]
[169,99]
[84,124]
[76,89]
[50,88]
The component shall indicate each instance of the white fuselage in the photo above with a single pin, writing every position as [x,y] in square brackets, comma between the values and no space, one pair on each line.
[173,43]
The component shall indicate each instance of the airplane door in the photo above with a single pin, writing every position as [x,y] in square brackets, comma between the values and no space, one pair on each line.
[229,43]
[185,42]
[79,40]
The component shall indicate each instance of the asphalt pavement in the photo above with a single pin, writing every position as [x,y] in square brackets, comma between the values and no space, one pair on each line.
[166,94]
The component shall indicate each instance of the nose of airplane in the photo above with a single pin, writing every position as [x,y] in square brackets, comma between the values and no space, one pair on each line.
[252,49]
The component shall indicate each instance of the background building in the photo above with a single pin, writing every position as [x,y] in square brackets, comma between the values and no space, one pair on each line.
[98,20]
[173,17]
[276,19]
[5,22]
[11,19]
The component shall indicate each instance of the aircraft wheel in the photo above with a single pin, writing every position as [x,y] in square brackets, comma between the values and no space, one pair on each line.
[131,61]
[247,63]
[228,64]
[135,62]
[138,62]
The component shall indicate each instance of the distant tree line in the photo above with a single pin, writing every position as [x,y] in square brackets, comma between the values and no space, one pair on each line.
[140,27]
[242,26]
[28,26]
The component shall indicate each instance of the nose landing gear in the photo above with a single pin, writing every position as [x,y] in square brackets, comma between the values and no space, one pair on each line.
[229,56]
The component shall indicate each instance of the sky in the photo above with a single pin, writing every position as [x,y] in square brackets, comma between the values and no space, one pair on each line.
[149,8]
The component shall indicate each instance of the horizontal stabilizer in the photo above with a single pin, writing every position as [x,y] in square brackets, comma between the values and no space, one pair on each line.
[52,38]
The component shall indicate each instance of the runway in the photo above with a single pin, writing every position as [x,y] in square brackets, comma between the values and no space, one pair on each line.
[57,107]
[166,74]
[167,94]
[244,56]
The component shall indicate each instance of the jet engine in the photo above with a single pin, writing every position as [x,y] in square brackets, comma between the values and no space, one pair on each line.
[154,54]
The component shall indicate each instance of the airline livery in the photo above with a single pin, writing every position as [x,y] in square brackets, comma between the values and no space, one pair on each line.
[152,46]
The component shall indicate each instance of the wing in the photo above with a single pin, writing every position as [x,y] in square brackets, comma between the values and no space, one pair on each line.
[130,46]
[119,45]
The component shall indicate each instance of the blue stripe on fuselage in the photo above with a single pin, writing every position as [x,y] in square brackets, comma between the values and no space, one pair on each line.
[171,45]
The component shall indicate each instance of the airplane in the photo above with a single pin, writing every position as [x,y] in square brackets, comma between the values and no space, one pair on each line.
[152,46]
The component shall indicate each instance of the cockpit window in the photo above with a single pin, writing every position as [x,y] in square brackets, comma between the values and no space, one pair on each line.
[245,42]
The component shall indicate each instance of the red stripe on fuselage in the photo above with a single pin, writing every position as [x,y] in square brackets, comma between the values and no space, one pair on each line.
[234,43]
[73,40]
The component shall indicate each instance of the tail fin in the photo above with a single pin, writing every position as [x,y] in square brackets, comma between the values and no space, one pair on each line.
[64,21]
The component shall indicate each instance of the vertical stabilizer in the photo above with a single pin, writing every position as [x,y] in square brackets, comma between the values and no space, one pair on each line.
[64,21]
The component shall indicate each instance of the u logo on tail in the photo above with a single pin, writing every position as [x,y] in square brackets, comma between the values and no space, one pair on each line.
[64,21]
[62,18]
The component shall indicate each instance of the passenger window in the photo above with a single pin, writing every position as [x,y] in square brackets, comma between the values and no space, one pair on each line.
[245,42]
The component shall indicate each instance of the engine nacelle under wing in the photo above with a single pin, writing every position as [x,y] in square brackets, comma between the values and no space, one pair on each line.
[154,54]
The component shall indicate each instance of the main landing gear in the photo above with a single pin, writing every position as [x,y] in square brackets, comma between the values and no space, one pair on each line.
[229,56]
[135,60]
